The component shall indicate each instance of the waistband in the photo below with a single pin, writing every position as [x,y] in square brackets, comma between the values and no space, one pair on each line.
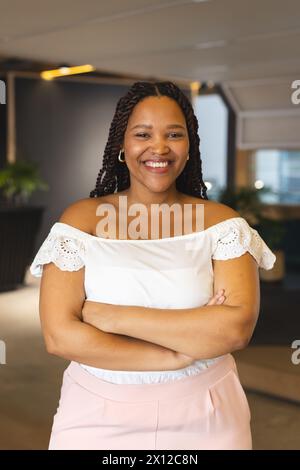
[156,391]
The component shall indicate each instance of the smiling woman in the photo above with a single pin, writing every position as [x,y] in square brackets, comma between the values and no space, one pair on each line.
[157,157]
[152,122]
[148,339]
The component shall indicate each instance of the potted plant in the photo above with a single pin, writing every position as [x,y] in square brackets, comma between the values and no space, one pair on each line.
[244,200]
[248,202]
[19,220]
[19,180]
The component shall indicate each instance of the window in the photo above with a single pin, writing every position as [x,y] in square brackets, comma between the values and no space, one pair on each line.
[279,172]
[212,115]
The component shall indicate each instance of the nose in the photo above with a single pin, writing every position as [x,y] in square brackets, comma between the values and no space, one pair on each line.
[159,147]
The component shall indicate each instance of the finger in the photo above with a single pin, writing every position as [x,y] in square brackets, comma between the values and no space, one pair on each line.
[219,294]
[214,300]
[211,302]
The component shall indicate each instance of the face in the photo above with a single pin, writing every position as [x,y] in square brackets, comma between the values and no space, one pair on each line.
[156,132]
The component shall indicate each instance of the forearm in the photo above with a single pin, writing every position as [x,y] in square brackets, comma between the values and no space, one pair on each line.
[202,332]
[86,344]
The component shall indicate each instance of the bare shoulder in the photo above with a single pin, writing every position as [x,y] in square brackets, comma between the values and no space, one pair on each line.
[80,214]
[214,211]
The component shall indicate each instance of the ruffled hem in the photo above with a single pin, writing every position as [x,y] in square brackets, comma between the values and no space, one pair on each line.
[235,237]
[65,252]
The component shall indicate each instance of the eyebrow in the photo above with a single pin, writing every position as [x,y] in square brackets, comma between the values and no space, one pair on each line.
[170,126]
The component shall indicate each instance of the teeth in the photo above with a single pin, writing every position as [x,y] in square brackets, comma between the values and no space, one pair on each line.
[156,164]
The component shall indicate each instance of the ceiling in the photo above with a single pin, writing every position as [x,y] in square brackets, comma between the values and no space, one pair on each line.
[217,40]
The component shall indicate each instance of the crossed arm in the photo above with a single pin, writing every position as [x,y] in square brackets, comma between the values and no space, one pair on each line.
[137,338]
[201,332]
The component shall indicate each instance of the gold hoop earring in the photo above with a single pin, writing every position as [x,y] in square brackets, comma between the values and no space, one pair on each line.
[119,157]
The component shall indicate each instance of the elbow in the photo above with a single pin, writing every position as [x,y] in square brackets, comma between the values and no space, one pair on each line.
[242,336]
[51,348]
[53,345]
[241,342]
[60,341]
[244,325]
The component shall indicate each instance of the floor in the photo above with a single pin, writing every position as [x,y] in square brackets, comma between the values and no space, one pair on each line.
[30,382]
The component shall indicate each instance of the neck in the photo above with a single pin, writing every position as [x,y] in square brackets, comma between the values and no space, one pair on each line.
[147,197]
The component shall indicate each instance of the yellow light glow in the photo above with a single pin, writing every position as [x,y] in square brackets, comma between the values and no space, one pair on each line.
[194,86]
[63,71]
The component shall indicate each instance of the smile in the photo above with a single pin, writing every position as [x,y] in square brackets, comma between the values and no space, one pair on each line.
[156,164]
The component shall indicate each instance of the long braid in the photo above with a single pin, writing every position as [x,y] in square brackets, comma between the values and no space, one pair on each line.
[114,175]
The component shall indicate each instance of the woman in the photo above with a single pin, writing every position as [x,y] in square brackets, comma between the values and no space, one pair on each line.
[143,317]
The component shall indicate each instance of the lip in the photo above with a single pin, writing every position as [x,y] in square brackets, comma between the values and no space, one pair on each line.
[157,160]
[157,170]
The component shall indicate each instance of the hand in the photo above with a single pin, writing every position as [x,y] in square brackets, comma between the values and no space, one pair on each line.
[101,315]
[217,299]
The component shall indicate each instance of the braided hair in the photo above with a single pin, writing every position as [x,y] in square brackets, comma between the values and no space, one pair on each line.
[114,176]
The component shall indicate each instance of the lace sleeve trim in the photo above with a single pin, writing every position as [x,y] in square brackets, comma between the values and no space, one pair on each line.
[66,252]
[237,237]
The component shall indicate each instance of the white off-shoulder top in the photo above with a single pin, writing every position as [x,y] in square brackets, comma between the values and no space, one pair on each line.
[171,272]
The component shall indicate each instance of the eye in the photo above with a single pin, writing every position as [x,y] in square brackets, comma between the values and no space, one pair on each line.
[173,134]
[177,134]
[141,134]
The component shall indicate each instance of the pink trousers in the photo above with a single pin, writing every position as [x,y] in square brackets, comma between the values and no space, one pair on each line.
[206,411]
